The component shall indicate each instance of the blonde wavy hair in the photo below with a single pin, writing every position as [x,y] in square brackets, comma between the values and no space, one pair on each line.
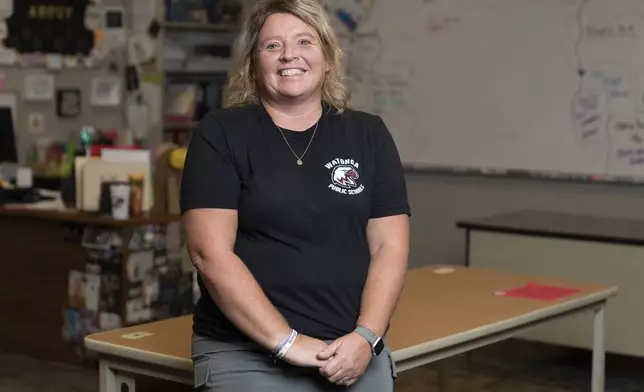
[242,87]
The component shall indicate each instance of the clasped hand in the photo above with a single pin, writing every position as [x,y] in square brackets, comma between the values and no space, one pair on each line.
[346,359]
[342,362]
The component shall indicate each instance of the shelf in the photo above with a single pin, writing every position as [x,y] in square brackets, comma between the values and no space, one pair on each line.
[194,26]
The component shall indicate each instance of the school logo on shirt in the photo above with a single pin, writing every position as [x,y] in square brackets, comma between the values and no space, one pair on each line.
[345,178]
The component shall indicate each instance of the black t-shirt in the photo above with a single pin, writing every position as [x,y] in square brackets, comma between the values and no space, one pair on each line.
[301,229]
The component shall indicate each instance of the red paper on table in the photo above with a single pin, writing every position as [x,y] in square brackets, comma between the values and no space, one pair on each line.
[539,291]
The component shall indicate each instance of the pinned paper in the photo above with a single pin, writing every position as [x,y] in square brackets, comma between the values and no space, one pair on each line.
[35,123]
[94,17]
[39,87]
[140,49]
[114,34]
[92,291]
[539,292]
[106,91]
[8,56]
[137,119]
[54,61]
[70,61]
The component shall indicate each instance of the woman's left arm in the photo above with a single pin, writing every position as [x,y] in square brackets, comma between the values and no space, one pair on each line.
[349,356]
[387,235]
[388,239]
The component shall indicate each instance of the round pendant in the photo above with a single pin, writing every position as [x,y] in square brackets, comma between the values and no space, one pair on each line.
[299,162]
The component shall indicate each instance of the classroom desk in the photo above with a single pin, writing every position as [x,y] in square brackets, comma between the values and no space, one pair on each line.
[38,249]
[439,315]
[569,246]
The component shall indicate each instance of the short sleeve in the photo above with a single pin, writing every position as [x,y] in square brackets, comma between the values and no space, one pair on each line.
[389,196]
[209,179]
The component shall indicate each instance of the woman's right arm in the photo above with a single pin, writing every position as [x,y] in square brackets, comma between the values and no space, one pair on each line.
[209,196]
[210,240]
[210,237]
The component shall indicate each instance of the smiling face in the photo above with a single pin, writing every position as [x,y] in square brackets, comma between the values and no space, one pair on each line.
[291,62]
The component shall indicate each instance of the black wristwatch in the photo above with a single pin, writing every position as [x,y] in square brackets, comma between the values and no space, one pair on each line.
[375,341]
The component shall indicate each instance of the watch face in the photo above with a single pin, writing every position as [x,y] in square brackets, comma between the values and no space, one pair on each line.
[377,348]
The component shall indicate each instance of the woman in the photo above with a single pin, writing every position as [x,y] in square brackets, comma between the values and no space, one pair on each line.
[296,217]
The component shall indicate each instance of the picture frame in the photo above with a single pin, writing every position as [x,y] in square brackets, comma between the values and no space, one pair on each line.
[68,102]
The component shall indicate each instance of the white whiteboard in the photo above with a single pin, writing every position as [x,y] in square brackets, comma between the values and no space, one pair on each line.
[532,85]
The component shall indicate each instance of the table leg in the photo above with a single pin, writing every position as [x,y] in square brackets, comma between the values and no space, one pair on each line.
[107,378]
[125,384]
[599,353]
[110,381]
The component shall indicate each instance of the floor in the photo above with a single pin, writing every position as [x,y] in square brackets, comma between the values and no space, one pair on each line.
[509,366]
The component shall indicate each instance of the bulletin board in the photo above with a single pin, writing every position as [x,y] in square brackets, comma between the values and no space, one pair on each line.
[78,63]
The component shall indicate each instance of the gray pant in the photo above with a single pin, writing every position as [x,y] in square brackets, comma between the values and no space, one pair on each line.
[244,367]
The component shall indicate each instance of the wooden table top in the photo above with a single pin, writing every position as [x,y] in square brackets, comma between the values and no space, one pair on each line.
[562,225]
[74,216]
[434,305]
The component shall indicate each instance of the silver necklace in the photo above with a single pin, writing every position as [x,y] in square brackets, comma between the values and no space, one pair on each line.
[299,158]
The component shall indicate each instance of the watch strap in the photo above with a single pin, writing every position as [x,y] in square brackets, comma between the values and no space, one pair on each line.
[374,340]
[366,333]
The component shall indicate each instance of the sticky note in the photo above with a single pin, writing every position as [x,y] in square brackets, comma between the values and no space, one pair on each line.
[136,335]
